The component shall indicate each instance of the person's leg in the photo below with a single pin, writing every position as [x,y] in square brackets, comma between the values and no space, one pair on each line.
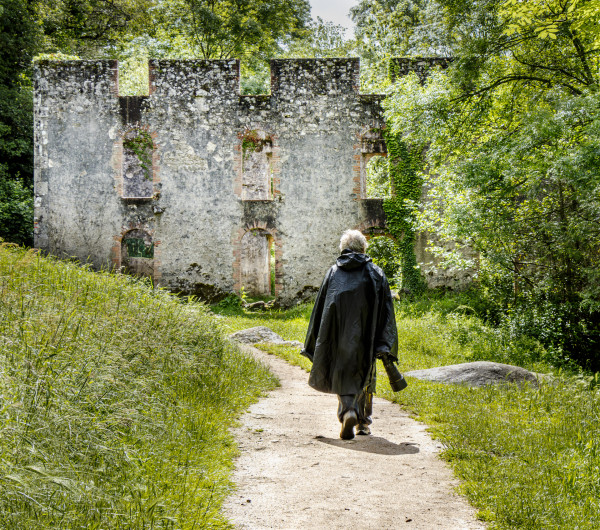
[346,403]
[365,410]
[348,415]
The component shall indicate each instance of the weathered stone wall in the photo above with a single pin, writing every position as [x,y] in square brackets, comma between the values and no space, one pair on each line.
[209,182]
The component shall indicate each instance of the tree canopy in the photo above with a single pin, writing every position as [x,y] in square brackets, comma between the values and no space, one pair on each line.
[512,132]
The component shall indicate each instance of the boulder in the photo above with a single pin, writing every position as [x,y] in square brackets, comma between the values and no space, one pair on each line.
[261,334]
[479,373]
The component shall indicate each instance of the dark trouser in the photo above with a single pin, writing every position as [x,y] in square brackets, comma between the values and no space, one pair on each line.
[361,403]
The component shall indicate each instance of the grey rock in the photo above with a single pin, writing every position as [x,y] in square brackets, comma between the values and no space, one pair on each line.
[261,335]
[476,374]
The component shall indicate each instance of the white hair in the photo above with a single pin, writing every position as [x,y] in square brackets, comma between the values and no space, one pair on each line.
[353,240]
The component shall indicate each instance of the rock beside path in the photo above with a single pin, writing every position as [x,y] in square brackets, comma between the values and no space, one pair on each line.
[479,373]
[261,335]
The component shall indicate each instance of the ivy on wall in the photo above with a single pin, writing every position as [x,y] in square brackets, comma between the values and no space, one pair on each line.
[404,165]
[404,162]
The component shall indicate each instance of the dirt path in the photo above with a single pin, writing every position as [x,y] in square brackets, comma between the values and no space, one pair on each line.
[295,473]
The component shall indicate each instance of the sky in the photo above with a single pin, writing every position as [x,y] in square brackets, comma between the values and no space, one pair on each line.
[335,11]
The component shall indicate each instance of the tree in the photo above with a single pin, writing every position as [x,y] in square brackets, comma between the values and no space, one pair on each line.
[322,39]
[513,136]
[87,27]
[221,29]
[19,35]
[397,28]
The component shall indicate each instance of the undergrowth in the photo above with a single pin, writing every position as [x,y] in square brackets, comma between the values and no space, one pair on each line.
[115,401]
[527,457]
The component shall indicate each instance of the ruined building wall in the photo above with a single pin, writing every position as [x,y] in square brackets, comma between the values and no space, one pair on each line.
[170,185]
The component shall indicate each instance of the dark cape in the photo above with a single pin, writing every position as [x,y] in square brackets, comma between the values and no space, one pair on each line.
[352,321]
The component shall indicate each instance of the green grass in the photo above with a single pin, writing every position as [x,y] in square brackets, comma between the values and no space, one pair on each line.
[116,401]
[528,457]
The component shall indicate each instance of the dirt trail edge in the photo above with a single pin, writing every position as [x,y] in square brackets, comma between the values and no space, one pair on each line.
[295,473]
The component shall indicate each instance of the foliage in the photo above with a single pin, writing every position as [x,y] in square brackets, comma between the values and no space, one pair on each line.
[378,178]
[404,164]
[16,212]
[117,400]
[384,252]
[512,162]
[133,72]
[220,29]
[533,49]
[547,20]
[85,27]
[256,79]
[18,42]
[397,28]
[321,39]
[252,140]
[16,132]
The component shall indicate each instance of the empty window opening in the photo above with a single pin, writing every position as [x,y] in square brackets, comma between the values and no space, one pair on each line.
[137,254]
[377,177]
[134,74]
[255,80]
[258,264]
[138,148]
[385,253]
[257,167]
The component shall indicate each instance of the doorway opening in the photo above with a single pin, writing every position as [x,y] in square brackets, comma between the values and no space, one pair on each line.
[257,264]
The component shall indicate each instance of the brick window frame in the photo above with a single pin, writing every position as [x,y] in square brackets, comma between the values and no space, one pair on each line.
[369,143]
[117,166]
[275,163]
[116,257]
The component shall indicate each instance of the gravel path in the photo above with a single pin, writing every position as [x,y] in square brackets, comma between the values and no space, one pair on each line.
[295,473]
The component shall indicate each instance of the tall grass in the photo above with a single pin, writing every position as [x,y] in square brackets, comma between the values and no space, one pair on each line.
[115,401]
[529,458]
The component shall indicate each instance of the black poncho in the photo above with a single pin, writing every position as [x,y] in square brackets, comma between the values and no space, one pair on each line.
[352,321]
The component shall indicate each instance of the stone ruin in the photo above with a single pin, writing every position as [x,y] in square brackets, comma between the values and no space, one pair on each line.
[202,189]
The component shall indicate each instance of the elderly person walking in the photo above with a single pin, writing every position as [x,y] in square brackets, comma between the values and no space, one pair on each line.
[352,324]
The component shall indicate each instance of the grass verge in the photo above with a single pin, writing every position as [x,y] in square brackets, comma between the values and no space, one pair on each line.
[116,401]
[528,457]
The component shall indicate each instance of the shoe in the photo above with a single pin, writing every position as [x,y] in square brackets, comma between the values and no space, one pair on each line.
[348,423]
[363,429]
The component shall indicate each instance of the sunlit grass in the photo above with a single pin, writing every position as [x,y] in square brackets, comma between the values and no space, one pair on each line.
[528,457]
[115,401]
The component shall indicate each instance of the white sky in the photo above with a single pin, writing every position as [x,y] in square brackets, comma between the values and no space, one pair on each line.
[335,11]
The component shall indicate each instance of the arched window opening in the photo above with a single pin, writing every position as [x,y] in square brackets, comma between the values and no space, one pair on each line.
[377,177]
[137,254]
[258,264]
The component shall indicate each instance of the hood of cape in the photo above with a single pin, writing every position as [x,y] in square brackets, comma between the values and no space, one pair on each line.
[350,260]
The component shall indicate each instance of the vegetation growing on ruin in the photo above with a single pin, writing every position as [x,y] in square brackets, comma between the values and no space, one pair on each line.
[117,399]
[512,134]
[404,165]
[139,141]
[527,457]
[253,141]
